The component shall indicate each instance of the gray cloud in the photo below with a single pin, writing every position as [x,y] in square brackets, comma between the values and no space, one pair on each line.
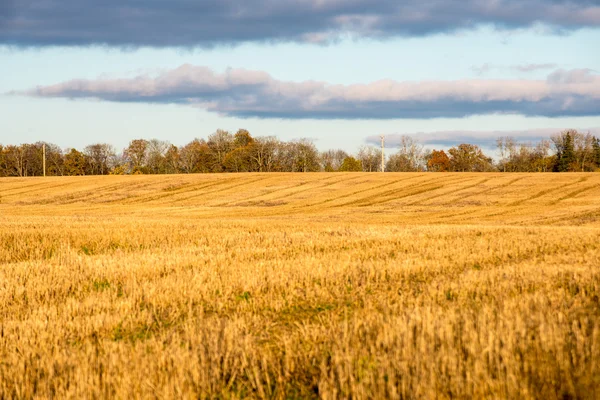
[485,139]
[244,93]
[205,23]
[574,76]
[533,67]
[482,69]
[487,67]
[7,9]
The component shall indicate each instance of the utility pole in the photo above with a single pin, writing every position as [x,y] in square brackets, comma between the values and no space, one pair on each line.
[382,153]
[44,161]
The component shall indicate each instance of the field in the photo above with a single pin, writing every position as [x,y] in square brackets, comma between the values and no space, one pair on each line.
[301,286]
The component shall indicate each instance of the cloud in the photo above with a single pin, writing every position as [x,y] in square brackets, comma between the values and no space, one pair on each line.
[482,69]
[574,76]
[485,139]
[487,67]
[244,93]
[7,10]
[533,67]
[206,23]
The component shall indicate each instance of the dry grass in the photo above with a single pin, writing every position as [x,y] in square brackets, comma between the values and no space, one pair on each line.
[301,285]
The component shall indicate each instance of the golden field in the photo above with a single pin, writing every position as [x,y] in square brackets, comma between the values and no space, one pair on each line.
[328,285]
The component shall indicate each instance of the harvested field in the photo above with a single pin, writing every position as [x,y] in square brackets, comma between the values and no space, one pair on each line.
[324,285]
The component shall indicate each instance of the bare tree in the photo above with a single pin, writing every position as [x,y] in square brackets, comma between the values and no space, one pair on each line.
[196,157]
[24,160]
[3,164]
[370,158]
[220,143]
[543,161]
[506,147]
[156,152]
[301,156]
[332,160]
[54,160]
[99,157]
[15,160]
[34,159]
[409,158]
[584,151]
[265,153]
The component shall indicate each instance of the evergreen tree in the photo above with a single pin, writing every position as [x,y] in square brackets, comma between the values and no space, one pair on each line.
[596,147]
[566,156]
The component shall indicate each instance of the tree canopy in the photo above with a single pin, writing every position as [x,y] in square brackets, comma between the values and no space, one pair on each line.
[222,151]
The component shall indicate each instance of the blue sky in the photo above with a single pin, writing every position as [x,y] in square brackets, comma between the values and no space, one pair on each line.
[336,85]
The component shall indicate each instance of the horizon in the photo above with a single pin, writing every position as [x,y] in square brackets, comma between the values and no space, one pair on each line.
[436,141]
[337,73]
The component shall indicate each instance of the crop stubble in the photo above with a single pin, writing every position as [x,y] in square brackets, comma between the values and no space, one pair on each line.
[368,286]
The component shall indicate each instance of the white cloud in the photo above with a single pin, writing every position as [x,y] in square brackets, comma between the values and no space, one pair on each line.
[240,92]
[484,138]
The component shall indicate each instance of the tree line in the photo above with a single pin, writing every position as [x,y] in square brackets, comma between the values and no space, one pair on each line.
[223,151]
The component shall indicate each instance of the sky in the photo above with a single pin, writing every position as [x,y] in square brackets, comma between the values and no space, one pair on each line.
[342,73]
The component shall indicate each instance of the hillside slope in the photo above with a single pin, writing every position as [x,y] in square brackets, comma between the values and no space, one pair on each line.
[301,286]
[448,198]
